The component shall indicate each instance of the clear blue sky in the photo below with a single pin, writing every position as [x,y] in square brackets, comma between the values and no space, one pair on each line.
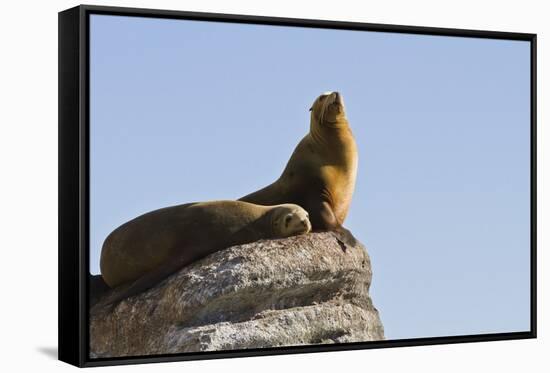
[187,111]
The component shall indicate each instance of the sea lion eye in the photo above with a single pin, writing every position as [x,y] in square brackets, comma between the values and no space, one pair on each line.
[288,218]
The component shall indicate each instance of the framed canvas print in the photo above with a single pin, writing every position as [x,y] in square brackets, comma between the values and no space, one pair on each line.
[235,185]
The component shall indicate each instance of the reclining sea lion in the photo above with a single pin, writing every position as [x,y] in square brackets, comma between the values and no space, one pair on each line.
[147,249]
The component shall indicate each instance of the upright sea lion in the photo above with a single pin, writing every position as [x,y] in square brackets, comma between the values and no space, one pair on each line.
[149,248]
[320,175]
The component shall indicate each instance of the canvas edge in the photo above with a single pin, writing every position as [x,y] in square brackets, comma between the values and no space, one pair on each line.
[73,166]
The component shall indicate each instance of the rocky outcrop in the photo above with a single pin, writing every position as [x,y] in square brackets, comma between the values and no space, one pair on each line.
[301,290]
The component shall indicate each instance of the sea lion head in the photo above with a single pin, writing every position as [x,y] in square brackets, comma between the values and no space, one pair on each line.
[289,220]
[328,110]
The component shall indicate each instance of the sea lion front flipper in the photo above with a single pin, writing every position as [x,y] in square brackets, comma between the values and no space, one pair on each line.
[345,237]
[330,222]
[323,218]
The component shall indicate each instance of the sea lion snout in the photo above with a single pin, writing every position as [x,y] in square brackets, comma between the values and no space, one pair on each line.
[305,223]
[337,98]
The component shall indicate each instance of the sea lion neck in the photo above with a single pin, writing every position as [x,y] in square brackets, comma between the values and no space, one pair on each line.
[326,133]
[266,222]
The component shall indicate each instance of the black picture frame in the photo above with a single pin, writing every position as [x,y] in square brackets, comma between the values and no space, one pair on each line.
[74,182]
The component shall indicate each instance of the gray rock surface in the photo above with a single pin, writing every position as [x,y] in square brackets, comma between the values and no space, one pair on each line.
[286,292]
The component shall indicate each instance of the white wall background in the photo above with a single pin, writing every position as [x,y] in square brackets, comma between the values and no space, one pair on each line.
[28,184]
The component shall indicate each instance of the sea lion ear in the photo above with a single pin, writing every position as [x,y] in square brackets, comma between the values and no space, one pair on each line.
[311,108]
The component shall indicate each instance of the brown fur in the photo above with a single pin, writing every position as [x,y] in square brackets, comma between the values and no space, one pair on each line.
[190,231]
[147,249]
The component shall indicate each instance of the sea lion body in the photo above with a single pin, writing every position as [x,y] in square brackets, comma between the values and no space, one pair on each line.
[320,175]
[172,237]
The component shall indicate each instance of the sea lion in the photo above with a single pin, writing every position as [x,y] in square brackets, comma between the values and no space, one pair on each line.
[147,249]
[320,175]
